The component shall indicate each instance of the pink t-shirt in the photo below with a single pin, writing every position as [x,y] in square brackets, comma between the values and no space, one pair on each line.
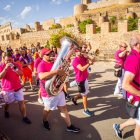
[44,67]
[80,75]
[132,64]
[37,61]
[120,60]
[11,81]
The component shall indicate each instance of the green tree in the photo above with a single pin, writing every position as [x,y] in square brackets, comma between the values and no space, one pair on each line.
[113,21]
[82,25]
[70,25]
[98,29]
[132,24]
[47,44]
[55,38]
[55,26]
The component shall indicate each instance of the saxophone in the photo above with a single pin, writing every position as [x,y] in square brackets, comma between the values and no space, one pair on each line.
[55,85]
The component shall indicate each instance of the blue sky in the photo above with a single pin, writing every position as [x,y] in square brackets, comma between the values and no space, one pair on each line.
[22,12]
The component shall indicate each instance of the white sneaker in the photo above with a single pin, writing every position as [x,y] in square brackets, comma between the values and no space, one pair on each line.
[118,94]
[40,100]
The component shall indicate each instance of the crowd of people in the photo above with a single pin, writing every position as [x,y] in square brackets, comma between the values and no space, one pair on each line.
[19,66]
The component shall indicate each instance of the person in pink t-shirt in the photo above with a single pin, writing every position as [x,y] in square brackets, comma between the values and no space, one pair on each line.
[11,86]
[52,102]
[80,65]
[36,63]
[131,83]
[120,57]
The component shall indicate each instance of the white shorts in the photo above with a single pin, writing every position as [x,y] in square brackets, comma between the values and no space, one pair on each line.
[11,96]
[138,117]
[51,103]
[73,83]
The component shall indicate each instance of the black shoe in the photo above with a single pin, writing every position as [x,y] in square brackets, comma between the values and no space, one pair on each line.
[68,97]
[72,128]
[46,125]
[118,132]
[6,114]
[74,102]
[26,120]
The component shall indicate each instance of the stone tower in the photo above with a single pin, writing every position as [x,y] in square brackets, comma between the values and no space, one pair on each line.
[85,1]
[128,1]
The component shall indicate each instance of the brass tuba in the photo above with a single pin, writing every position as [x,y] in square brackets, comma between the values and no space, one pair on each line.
[55,85]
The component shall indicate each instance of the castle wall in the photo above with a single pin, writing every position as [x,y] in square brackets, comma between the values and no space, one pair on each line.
[48,23]
[79,9]
[101,4]
[38,27]
[126,1]
[5,31]
[68,20]
[43,36]
[107,42]
[86,1]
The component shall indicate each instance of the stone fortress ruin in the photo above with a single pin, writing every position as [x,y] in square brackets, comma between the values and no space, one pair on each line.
[100,12]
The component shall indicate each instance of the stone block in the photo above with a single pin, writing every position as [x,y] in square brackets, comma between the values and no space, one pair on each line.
[90,29]
[105,27]
[123,26]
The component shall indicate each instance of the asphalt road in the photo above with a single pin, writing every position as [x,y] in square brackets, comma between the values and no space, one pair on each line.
[107,109]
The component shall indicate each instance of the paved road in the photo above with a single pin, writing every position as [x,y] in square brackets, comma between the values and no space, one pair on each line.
[107,109]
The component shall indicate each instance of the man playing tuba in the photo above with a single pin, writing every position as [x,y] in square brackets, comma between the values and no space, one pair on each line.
[52,102]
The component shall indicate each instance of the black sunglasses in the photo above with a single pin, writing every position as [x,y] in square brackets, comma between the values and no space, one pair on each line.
[47,54]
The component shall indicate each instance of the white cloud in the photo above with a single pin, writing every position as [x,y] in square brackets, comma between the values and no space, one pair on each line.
[58,2]
[7,8]
[25,11]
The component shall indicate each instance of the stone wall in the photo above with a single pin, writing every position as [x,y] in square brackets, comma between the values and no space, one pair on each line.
[43,36]
[107,42]
[68,20]
[101,4]
[48,23]
[5,30]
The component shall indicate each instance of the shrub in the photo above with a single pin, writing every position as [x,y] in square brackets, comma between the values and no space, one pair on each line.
[47,44]
[114,29]
[132,24]
[70,25]
[55,26]
[98,29]
[55,38]
[82,25]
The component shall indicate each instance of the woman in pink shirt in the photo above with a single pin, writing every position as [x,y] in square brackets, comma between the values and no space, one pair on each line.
[120,57]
